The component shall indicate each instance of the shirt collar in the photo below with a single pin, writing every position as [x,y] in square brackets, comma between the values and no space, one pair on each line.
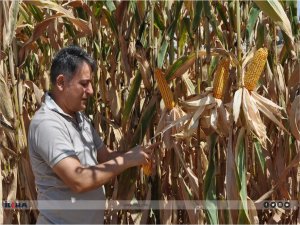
[51,104]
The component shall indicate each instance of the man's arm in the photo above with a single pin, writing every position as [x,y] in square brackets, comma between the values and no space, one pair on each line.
[82,179]
[105,154]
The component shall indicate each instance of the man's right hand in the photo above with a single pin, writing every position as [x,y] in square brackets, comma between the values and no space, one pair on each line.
[137,156]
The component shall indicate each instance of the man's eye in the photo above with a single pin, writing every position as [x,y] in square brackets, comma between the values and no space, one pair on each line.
[84,84]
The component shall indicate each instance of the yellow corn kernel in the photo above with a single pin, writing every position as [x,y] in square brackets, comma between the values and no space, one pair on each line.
[255,68]
[147,168]
[221,77]
[165,90]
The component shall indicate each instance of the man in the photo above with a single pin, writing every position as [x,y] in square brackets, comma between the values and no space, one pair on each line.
[69,160]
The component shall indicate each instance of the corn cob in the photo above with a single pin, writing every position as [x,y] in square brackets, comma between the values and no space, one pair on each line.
[165,90]
[147,168]
[255,68]
[221,78]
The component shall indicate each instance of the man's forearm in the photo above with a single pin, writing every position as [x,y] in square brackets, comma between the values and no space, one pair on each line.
[114,154]
[94,176]
[107,154]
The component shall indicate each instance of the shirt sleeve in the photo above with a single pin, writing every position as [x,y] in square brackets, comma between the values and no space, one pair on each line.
[51,141]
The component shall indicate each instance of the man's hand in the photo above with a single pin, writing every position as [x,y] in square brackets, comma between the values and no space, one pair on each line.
[140,155]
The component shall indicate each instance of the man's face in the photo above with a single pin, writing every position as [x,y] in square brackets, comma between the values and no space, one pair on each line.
[78,89]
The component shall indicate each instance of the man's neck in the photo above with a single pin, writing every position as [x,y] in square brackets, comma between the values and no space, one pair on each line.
[61,104]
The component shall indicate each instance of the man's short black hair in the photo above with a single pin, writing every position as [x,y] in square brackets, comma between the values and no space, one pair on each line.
[67,60]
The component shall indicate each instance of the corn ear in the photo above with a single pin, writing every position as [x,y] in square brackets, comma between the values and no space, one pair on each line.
[164,89]
[255,68]
[221,78]
[147,168]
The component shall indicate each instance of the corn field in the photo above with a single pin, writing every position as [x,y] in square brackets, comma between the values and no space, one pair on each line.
[216,82]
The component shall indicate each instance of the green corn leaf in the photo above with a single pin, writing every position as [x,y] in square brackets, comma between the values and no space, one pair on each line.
[242,173]
[222,12]
[180,66]
[171,30]
[144,122]
[275,11]
[213,65]
[111,21]
[260,156]
[213,20]
[260,35]
[35,12]
[232,14]
[128,177]
[110,5]
[198,11]
[183,33]
[210,184]
[158,22]
[133,93]
[253,15]
[293,15]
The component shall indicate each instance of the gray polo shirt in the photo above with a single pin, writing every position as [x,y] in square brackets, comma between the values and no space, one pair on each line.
[53,136]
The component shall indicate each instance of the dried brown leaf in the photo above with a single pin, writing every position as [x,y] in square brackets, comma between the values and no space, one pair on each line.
[12,194]
[281,81]
[29,184]
[237,101]
[265,110]
[193,123]
[295,77]
[141,9]
[6,106]
[252,117]
[193,180]
[144,67]
[120,12]
[38,93]
[39,29]
[1,191]
[178,122]
[214,118]
[223,123]
[184,189]
[124,54]
[189,84]
[294,118]
[42,26]
[2,55]
[264,196]
[165,214]
[21,94]
[115,103]
[82,4]
[52,34]
[207,100]
[269,104]
[252,212]
[248,57]
[11,23]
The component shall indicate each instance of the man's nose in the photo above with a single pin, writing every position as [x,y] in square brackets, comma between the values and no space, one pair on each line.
[89,90]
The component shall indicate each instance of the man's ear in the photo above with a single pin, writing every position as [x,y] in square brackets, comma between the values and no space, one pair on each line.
[60,82]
